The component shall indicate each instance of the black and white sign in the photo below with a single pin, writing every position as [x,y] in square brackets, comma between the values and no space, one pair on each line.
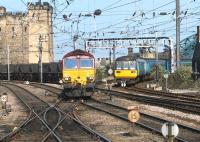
[4,98]
[170,129]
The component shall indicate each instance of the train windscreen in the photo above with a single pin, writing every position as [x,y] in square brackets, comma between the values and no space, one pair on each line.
[132,65]
[70,64]
[118,65]
[125,65]
[86,63]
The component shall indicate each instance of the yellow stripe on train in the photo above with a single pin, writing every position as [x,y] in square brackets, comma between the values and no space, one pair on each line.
[130,74]
[78,75]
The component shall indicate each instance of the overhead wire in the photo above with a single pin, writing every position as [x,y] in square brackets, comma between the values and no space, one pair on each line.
[121,22]
[121,5]
[145,20]
[114,3]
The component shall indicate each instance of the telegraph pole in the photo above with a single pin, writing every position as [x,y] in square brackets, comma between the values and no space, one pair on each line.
[8,58]
[157,63]
[114,54]
[110,54]
[40,58]
[177,33]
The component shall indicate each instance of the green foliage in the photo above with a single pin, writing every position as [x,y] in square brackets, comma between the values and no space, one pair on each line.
[197,83]
[183,74]
[181,79]
[101,73]
[160,74]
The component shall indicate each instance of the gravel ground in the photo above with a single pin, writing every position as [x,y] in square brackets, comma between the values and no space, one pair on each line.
[14,118]
[40,93]
[54,85]
[171,115]
[117,129]
[114,128]
[189,90]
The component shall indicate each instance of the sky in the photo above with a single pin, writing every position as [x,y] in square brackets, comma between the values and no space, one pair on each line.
[119,18]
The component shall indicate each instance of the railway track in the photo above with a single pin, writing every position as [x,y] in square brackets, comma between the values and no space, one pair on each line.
[23,113]
[171,103]
[47,87]
[186,97]
[35,106]
[48,122]
[185,106]
[186,134]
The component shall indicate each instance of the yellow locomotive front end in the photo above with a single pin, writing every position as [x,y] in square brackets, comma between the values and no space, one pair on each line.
[79,74]
[125,70]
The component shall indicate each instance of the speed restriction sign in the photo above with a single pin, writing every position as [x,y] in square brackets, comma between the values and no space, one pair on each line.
[4,98]
[133,116]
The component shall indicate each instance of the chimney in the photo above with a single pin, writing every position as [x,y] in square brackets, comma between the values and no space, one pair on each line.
[130,51]
[2,10]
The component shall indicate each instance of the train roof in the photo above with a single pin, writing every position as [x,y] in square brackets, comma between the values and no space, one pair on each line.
[131,58]
[78,52]
[126,58]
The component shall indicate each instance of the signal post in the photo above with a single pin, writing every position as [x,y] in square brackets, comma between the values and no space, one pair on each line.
[133,116]
[4,99]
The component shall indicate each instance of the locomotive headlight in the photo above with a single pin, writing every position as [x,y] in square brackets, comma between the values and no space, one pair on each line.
[67,78]
[133,71]
[90,78]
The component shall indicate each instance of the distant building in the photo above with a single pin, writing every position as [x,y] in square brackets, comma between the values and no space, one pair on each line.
[21,31]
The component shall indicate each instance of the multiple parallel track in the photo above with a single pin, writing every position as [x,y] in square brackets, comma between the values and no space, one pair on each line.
[32,124]
[48,122]
[186,97]
[147,121]
[171,103]
[23,114]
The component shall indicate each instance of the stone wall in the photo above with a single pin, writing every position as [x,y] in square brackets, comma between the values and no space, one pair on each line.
[21,31]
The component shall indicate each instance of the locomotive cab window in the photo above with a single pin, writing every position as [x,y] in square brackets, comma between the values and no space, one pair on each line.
[70,64]
[126,65]
[86,63]
[132,65]
[118,65]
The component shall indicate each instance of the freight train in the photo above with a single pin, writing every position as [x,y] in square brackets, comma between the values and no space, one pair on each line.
[31,72]
[76,71]
[129,69]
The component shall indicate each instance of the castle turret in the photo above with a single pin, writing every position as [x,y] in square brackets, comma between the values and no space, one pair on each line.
[2,10]
[40,25]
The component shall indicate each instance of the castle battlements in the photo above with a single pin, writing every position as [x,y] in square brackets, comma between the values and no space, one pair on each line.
[39,6]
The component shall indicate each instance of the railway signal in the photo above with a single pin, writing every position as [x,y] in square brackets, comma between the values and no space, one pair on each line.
[4,99]
[170,130]
[133,116]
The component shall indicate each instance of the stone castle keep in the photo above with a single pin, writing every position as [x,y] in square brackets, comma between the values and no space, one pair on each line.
[20,32]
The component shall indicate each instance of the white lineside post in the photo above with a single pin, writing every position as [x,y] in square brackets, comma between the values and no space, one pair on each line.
[172,56]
